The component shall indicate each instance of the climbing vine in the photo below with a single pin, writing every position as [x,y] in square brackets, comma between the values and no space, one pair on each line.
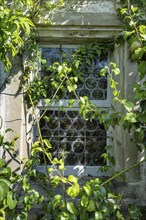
[92,199]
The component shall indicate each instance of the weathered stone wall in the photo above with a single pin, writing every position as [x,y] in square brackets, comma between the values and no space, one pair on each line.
[12,110]
[79,22]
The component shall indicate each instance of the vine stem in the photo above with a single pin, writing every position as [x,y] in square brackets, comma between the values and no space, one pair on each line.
[40,136]
[123,171]
[136,30]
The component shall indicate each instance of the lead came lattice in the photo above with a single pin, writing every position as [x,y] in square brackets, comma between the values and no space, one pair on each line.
[80,141]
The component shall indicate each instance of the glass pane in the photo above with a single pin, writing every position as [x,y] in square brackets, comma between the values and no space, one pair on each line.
[92,84]
[79,141]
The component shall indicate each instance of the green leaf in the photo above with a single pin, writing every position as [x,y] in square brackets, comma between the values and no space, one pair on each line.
[9,130]
[47,143]
[70,207]
[4,188]
[60,68]
[11,200]
[139,53]
[143,36]
[141,94]
[72,88]
[72,217]
[84,216]
[123,11]
[82,100]
[36,150]
[113,84]
[84,201]
[72,179]
[134,9]
[142,69]
[119,215]
[57,200]
[116,71]
[47,101]
[87,189]
[142,29]
[7,181]
[142,117]
[73,190]
[129,106]
[2,163]
[139,135]
[104,71]
[91,206]
[127,34]
[88,61]
[71,102]
[25,184]
[98,216]
[129,117]
[64,216]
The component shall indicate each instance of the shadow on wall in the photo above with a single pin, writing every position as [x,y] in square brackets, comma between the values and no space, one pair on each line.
[76,12]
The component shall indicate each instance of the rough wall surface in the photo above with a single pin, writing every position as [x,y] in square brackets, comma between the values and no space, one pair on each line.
[82,21]
[79,22]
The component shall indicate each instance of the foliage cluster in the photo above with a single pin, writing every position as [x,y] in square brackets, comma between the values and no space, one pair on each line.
[92,199]
[134,119]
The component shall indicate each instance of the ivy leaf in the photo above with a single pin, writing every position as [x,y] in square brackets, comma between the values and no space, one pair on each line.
[72,88]
[71,102]
[36,150]
[73,190]
[11,200]
[4,188]
[72,217]
[25,184]
[84,216]
[9,130]
[143,36]
[70,207]
[127,34]
[142,29]
[2,163]
[98,216]
[91,206]
[142,117]
[72,179]
[104,71]
[139,134]
[119,215]
[123,11]
[113,84]
[82,100]
[134,9]
[129,106]
[116,71]
[142,69]
[131,117]
[60,69]
[84,201]
[87,189]
[47,143]
[139,52]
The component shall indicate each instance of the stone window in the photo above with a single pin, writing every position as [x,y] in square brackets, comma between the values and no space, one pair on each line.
[81,142]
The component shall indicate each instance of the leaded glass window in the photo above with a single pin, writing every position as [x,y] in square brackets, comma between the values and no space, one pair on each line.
[81,142]
[92,84]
